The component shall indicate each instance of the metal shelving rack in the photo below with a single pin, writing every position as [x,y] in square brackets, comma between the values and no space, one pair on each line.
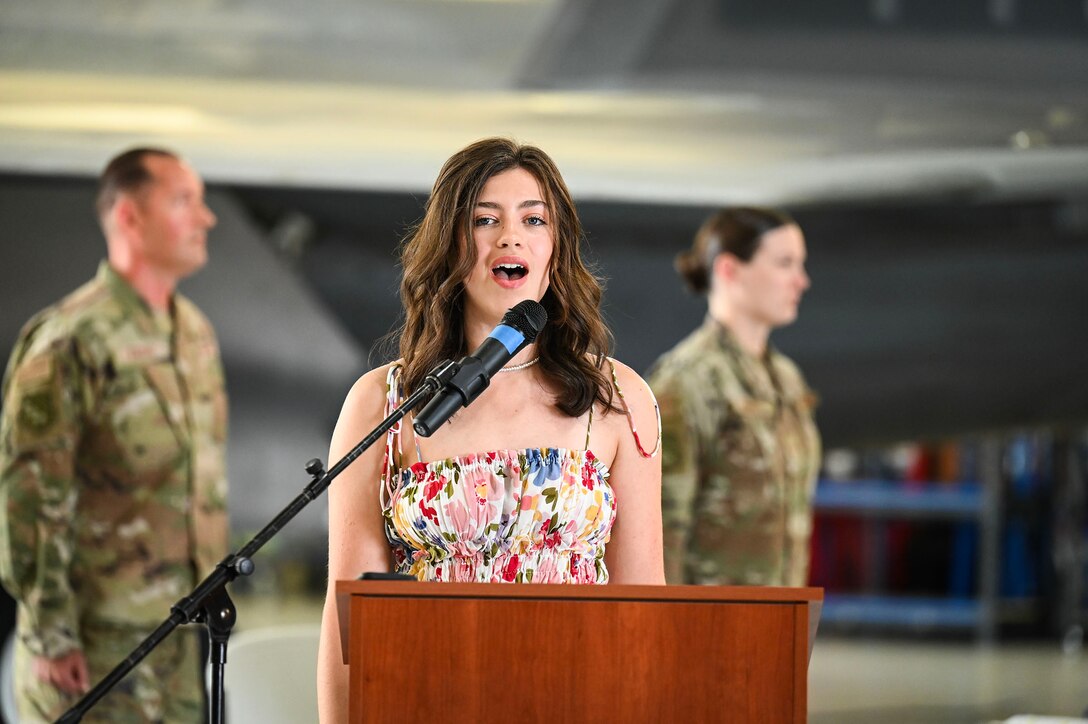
[880,500]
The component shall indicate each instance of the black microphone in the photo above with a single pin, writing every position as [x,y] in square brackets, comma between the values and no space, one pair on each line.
[519,327]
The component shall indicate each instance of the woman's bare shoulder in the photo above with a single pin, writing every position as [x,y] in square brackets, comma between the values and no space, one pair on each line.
[628,382]
[637,420]
[369,391]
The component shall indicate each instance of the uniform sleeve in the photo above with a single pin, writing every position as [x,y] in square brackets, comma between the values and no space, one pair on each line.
[39,430]
[679,477]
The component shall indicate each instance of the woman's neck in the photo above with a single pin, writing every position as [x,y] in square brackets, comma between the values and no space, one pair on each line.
[476,333]
[751,335]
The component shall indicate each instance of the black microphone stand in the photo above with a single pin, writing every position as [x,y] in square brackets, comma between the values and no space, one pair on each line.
[209,602]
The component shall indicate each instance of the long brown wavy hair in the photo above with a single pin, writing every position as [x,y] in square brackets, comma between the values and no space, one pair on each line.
[438,255]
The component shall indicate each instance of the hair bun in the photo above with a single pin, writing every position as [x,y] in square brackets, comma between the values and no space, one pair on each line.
[692,269]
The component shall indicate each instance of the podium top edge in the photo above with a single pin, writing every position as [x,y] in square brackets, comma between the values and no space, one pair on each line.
[607,592]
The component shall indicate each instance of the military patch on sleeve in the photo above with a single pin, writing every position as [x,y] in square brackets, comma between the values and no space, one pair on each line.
[38,410]
[33,396]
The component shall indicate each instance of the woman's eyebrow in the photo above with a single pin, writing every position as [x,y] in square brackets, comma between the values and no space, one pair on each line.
[522,205]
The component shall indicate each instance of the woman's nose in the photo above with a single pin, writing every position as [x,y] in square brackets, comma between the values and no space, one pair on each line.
[509,237]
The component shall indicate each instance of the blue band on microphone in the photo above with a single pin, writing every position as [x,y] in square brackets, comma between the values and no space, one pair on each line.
[508,337]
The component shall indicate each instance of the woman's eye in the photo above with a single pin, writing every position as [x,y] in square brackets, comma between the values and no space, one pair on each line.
[536,221]
[484,221]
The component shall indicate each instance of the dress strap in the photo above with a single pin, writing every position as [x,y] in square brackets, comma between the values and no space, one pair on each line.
[631,419]
[589,427]
[394,453]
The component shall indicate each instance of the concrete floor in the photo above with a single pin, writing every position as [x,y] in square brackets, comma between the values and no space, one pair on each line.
[861,680]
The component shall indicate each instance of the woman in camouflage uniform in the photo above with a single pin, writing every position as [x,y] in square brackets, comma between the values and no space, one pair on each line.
[741,450]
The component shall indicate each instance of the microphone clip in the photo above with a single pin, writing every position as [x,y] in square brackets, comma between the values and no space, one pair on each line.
[441,375]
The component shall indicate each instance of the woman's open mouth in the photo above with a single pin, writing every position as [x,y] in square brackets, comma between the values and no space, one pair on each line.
[509,272]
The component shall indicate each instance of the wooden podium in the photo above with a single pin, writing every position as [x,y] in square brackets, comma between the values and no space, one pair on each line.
[478,652]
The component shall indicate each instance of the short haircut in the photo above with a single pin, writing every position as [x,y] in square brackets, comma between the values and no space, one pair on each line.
[126,173]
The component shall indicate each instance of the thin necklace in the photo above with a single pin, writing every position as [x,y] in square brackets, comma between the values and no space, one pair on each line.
[523,365]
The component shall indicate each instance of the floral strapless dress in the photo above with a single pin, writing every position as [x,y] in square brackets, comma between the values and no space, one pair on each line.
[522,516]
[538,515]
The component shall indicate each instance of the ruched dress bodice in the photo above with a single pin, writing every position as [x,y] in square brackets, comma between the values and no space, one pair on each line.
[534,515]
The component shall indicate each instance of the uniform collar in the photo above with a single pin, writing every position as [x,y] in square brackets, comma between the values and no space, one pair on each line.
[129,298]
[729,342]
[755,374]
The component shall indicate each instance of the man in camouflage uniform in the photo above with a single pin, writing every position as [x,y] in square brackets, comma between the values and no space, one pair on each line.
[112,470]
[740,448]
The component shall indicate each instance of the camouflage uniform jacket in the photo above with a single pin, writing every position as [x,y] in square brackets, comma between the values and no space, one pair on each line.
[112,469]
[740,458]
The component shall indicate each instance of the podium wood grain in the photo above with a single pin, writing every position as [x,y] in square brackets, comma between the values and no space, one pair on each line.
[549,653]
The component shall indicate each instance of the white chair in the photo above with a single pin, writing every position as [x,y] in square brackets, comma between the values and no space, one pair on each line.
[271,675]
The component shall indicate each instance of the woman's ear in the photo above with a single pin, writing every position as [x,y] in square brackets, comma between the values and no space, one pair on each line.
[725,266]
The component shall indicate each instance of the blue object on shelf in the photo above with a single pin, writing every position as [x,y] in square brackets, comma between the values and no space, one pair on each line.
[918,613]
[883,497]
[961,573]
